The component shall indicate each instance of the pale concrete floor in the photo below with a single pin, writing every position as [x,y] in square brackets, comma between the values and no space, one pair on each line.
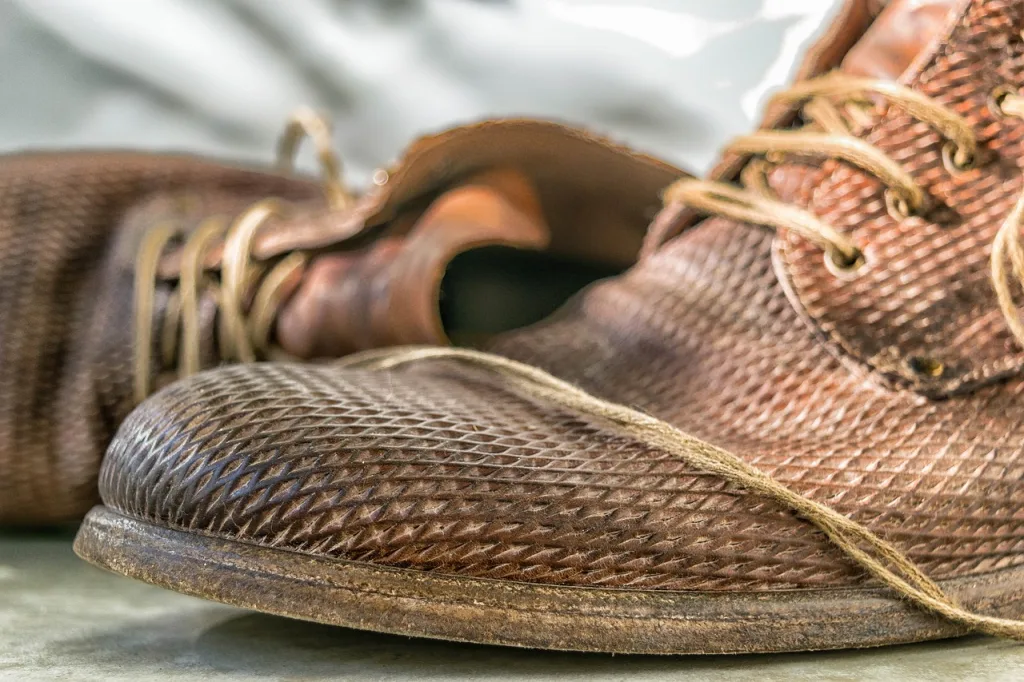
[61,619]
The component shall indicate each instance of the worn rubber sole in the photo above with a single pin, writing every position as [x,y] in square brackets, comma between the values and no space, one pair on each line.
[484,611]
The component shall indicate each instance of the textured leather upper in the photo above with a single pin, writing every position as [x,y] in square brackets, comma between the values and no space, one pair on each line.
[440,467]
[69,228]
[925,292]
[71,225]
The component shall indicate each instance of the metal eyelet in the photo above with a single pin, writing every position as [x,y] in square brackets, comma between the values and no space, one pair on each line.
[841,265]
[996,97]
[898,206]
[956,160]
[926,366]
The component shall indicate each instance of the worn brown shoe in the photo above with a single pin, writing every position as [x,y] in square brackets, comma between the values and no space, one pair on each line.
[823,446]
[122,271]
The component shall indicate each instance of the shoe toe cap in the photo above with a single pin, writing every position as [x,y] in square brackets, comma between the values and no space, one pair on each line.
[443,469]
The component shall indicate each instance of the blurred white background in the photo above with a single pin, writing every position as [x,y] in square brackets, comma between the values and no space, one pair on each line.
[676,78]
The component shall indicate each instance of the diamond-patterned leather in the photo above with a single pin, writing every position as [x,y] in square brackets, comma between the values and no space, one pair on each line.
[925,294]
[71,225]
[69,228]
[439,467]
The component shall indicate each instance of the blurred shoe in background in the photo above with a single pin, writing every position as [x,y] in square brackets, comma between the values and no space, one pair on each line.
[122,271]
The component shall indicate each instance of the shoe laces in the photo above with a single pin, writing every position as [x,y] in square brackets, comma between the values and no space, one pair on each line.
[829,103]
[243,331]
[827,134]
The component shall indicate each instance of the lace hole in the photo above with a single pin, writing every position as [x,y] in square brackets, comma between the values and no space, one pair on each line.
[926,366]
[956,160]
[898,206]
[842,265]
[997,97]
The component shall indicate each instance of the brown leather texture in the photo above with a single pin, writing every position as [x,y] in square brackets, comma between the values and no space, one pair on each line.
[71,224]
[924,297]
[728,332]
[69,228]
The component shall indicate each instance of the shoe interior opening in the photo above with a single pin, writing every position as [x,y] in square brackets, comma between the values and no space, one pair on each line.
[495,289]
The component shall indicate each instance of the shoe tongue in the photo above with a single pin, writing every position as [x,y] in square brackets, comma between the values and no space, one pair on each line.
[897,36]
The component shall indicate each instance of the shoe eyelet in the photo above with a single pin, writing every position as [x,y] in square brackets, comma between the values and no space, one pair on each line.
[996,97]
[954,161]
[843,266]
[926,366]
[898,206]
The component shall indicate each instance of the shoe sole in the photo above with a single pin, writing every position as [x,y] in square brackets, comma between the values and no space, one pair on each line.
[485,611]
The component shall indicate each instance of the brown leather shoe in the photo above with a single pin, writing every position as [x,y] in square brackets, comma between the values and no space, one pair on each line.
[120,272]
[842,449]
